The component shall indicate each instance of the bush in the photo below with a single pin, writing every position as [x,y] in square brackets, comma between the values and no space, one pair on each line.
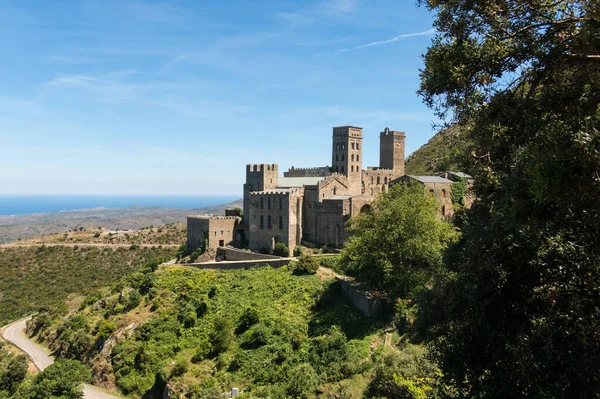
[302,381]
[298,251]
[180,368]
[247,319]
[105,328]
[281,250]
[306,265]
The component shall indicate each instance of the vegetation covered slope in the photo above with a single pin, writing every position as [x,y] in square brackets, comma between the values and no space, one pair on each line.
[443,152]
[170,234]
[269,332]
[45,276]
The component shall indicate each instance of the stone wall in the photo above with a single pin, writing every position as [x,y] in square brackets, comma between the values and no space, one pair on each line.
[333,214]
[234,254]
[242,264]
[366,303]
[391,151]
[218,230]
[375,181]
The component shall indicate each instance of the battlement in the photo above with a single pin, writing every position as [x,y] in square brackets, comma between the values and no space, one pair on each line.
[308,172]
[273,192]
[392,133]
[256,168]
[213,217]
[331,177]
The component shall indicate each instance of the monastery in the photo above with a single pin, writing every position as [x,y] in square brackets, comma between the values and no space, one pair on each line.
[312,205]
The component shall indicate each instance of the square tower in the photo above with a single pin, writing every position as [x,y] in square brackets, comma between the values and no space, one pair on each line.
[391,151]
[347,155]
[259,178]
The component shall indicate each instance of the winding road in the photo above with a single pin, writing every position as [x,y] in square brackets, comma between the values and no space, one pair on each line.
[15,334]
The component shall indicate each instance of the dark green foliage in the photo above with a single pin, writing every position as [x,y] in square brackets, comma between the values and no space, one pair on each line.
[15,373]
[281,250]
[45,276]
[249,318]
[399,246]
[444,152]
[459,190]
[222,335]
[62,380]
[306,265]
[298,251]
[180,368]
[516,316]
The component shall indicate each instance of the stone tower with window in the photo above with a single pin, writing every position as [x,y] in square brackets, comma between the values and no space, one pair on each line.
[391,151]
[259,178]
[347,155]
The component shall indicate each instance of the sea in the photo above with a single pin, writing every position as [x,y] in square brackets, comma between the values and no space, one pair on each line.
[26,204]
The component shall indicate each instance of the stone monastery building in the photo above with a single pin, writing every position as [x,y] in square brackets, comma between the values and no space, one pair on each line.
[313,204]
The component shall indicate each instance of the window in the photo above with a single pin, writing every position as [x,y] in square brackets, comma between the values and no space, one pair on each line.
[352,168]
[262,222]
[357,146]
[222,232]
[352,145]
[378,180]
[337,157]
[358,158]
[337,146]
[343,171]
[352,157]
[343,146]
[280,222]
[443,211]
[334,190]
[269,222]
[443,193]
[372,179]
[269,203]
[343,157]
[280,203]
[385,180]
[262,203]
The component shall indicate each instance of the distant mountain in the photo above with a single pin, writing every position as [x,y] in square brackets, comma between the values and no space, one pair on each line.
[17,227]
[443,152]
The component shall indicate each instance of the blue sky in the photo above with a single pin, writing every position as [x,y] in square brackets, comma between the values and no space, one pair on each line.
[149,97]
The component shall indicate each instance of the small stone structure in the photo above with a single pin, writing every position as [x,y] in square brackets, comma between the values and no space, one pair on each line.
[366,302]
[217,231]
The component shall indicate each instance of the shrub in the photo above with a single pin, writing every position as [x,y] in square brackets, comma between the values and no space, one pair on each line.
[247,319]
[298,251]
[180,368]
[302,381]
[306,265]
[203,349]
[281,250]
[105,329]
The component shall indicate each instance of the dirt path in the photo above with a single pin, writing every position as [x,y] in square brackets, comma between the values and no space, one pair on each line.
[93,245]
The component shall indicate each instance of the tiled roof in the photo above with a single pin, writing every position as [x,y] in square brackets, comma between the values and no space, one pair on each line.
[430,179]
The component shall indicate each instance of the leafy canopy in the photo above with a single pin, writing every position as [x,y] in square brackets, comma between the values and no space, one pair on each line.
[400,243]
[516,316]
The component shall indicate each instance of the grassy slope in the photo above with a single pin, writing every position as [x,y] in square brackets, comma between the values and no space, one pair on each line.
[442,153]
[189,312]
[46,276]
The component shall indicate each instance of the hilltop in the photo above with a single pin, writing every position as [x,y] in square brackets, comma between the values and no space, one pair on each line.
[443,152]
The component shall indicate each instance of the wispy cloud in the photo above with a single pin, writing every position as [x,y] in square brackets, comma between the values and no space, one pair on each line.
[392,40]
[343,6]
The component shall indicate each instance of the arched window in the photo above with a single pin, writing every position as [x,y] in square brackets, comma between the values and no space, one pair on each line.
[337,157]
[358,158]
[372,179]
[378,180]
[443,193]
[343,157]
[385,180]
[352,157]
[335,191]
[352,168]
[343,170]
[443,211]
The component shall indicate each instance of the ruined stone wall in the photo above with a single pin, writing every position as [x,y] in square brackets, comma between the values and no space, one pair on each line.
[366,303]
[308,172]
[197,231]
[233,254]
[375,181]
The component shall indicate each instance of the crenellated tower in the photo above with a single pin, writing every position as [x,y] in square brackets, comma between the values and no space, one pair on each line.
[391,151]
[259,178]
[347,155]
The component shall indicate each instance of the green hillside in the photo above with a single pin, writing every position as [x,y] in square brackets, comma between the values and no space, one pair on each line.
[271,333]
[31,277]
[443,152]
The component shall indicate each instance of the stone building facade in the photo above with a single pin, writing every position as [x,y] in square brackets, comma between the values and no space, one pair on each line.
[313,204]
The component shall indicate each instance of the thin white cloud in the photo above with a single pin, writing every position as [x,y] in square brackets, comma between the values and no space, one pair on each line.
[343,6]
[392,40]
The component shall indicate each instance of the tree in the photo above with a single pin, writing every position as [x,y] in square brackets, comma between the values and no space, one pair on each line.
[516,316]
[400,243]
[62,380]
[14,375]
[281,250]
